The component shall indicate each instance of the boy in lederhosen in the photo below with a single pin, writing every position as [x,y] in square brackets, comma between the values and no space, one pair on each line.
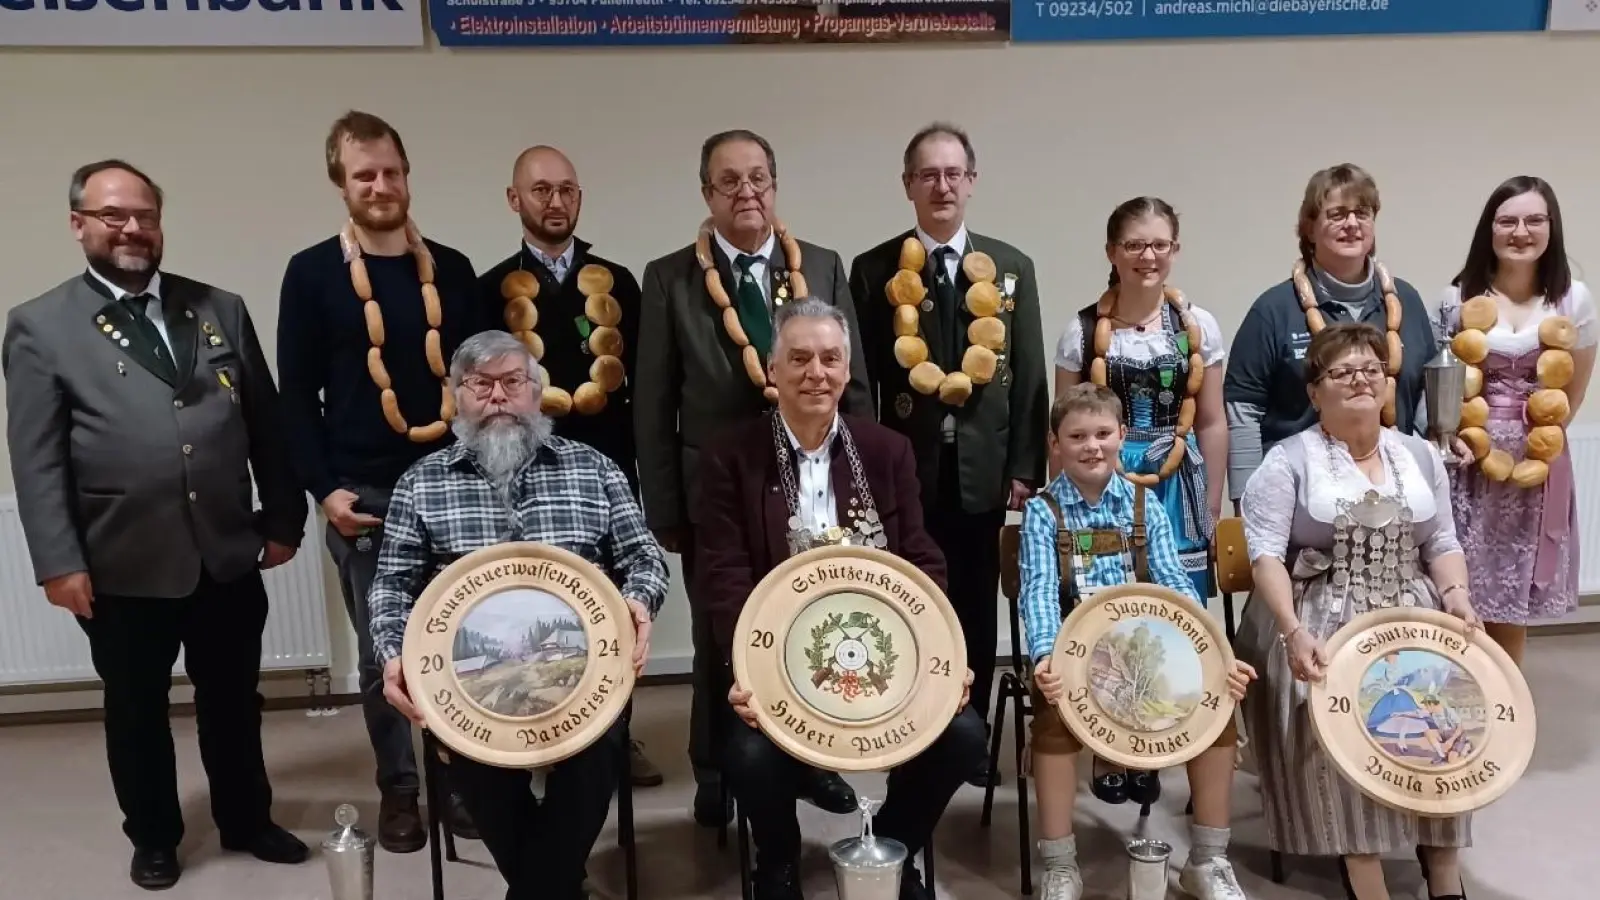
[1091,529]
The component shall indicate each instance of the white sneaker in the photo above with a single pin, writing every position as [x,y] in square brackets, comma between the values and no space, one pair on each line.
[1062,884]
[1211,880]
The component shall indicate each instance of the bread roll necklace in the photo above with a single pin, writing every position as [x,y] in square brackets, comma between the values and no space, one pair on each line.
[1391,312]
[1197,376]
[792,285]
[986,335]
[604,340]
[350,246]
[1546,409]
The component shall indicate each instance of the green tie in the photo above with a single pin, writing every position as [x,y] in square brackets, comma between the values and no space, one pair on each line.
[753,313]
[136,306]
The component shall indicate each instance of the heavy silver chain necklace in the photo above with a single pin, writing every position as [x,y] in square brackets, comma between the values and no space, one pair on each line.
[1374,547]
[865,528]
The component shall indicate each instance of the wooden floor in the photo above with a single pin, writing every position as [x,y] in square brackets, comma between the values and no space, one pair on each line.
[62,841]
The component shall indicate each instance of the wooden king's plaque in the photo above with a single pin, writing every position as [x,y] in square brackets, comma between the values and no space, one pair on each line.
[1419,717]
[853,658]
[519,655]
[1146,676]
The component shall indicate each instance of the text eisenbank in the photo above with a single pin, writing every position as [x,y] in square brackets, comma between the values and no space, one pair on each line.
[210,5]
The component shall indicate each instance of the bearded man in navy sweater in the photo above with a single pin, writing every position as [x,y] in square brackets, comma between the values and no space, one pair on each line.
[367,321]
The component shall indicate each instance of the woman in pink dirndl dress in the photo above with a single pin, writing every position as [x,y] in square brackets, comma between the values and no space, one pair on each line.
[1514,302]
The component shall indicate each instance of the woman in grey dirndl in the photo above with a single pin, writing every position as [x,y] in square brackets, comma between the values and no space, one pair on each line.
[1345,517]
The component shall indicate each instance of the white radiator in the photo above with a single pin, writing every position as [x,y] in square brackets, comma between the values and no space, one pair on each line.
[1584,441]
[43,645]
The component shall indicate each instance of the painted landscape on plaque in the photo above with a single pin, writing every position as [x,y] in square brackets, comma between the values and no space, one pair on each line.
[1145,674]
[520,652]
[1422,709]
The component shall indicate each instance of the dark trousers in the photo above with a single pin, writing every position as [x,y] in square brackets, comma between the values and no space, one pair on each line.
[709,683]
[134,642]
[971,545]
[541,847]
[766,781]
[387,729]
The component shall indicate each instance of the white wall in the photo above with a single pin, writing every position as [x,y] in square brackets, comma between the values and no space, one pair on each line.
[1227,131]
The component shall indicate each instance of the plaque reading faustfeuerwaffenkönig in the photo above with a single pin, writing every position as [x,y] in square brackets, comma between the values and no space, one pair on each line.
[853,657]
[519,655]
[1418,716]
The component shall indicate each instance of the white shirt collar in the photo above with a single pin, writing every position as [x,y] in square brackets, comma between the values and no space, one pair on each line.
[764,252]
[117,293]
[564,256]
[827,442]
[957,242]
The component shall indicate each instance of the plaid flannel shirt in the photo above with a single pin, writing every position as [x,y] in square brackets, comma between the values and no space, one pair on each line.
[1040,590]
[569,496]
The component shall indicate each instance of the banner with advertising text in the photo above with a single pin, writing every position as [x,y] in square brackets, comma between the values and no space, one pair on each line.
[211,23]
[514,23]
[1091,20]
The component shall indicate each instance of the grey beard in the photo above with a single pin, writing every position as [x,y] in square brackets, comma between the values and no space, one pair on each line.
[503,446]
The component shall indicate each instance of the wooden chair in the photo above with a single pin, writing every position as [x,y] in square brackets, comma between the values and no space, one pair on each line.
[1013,689]
[1234,576]
[433,758]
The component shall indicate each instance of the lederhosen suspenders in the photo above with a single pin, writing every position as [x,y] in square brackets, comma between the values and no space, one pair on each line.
[1091,543]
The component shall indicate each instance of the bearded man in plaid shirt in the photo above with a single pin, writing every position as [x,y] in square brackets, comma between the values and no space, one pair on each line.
[506,478]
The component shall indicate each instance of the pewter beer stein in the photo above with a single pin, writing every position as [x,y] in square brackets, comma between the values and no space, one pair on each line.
[1147,869]
[1444,388]
[349,854]
[868,867]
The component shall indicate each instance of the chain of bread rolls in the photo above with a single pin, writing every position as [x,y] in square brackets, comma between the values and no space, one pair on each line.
[350,246]
[986,335]
[606,373]
[1197,376]
[1547,408]
[1391,311]
[794,285]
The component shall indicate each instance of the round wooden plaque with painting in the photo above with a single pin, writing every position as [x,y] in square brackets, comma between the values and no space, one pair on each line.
[1146,676]
[519,655]
[853,658]
[1421,718]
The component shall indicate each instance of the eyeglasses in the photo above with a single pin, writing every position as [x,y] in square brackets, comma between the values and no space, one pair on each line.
[729,184]
[482,386]
[1508,224]
[542,192]
[1347,374]
[1339,214]
[1135,247]
[117,219]
[931,177]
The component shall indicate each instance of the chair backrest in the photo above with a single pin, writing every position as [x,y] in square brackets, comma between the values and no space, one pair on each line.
[1233,557]
[1010,561]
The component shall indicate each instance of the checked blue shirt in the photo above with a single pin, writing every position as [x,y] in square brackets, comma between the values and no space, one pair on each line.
[568,495]
[1040,599]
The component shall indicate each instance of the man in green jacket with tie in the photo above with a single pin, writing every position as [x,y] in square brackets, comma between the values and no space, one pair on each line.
[706,325]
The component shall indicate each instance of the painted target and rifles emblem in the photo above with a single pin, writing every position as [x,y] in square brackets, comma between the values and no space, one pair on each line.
[853,657]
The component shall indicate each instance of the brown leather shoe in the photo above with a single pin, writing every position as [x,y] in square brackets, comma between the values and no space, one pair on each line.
[400,823]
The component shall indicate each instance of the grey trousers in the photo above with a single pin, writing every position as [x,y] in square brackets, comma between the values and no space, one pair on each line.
[387,729]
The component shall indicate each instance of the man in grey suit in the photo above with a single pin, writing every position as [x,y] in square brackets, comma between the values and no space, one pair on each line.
[138,404]
[692,380]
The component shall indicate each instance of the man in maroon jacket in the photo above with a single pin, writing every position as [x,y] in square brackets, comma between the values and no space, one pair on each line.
[814,463]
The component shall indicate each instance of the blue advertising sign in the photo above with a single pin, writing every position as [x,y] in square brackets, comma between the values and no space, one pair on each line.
[1090,20]
[518,23]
